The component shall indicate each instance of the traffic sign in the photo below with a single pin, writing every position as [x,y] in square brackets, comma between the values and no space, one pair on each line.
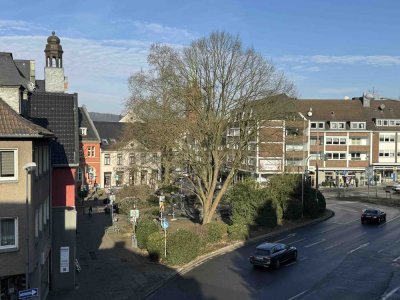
[29,293]
[164,224]
[369,172]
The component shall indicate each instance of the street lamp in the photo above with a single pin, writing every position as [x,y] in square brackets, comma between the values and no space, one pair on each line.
[29,168]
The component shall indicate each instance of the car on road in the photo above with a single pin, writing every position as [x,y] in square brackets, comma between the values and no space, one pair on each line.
[273,255]
[396,187]
[373,215]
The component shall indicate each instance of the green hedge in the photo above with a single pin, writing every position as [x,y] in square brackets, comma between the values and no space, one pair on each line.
[182,247]
[155,245]
[216,231]
[293,210]
[238,232]
[267,214]
[144,229]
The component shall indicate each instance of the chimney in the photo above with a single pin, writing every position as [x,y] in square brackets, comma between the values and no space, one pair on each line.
[366,99]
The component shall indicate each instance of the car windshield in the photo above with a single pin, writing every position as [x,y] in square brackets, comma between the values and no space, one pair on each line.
[371,211]
[262,252]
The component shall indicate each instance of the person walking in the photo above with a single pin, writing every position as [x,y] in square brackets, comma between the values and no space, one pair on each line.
[90,211]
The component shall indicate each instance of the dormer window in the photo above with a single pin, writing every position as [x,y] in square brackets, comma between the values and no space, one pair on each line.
[104,142]
[357,125]
[113,141]
[317,125]
[338,125]
[83,131]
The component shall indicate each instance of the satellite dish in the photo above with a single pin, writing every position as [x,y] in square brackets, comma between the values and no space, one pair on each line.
[346,98]
[382,106]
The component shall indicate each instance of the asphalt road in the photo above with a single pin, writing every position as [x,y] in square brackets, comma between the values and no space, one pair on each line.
[338,259]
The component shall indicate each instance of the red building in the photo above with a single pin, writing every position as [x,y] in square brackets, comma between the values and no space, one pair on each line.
[88,173]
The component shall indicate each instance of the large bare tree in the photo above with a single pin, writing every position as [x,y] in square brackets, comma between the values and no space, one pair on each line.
[191,99]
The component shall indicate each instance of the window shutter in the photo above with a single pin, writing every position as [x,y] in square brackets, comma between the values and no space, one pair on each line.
[7,163]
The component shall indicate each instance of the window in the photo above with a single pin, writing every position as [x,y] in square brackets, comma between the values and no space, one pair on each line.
[8,233]
[8,164]
[132,159]
[234,132]
[386,153]
[106,159]
[119,159]
[319,125]
[104,142]
[335,155]
[83,131]
[386,138]
[356,141]
[338,125]
[143,158]
[335,141]
[91,151]
[356,156]
[79,174]
[357,125]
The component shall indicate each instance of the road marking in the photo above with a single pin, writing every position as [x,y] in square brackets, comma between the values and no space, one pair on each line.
[303,258]
[316,243]
[383,249]
[298,295]
[288,237]
[292,263]
[297,241]
[396,259]
[388,295]
[324,231]
[335,245]
[393,219]
[359,247]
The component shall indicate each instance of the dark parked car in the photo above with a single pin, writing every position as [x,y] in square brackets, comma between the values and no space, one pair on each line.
[273,255]
[373,215]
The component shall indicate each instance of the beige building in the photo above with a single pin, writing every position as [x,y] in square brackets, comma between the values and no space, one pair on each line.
[25,240]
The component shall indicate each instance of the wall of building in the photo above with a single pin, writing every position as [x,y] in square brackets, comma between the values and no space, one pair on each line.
[11,95]
[54,80]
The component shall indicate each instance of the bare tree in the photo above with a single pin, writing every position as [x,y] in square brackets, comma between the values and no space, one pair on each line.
[208,88]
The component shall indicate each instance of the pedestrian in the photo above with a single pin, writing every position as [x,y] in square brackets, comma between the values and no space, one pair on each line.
[90,210]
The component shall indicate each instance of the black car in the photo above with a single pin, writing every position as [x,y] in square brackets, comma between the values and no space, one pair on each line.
[273,255]
[373,215]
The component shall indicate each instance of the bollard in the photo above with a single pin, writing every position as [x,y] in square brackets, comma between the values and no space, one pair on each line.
[134,241]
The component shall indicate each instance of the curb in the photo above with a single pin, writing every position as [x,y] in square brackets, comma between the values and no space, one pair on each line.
[201,259]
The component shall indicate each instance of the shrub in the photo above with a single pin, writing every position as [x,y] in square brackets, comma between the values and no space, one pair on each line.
[321,202]
[144,229]
[182,247]
[267,214]
[216,231]
[294,210]
[311,207]
[155,245]
[238,232]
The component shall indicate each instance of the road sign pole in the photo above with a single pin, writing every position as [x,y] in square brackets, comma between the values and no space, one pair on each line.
[165,242]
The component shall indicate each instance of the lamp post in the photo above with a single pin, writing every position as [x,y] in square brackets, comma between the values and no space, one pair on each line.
[29,168]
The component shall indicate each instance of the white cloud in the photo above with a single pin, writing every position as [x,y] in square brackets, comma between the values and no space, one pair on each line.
[98,70]
[10,26]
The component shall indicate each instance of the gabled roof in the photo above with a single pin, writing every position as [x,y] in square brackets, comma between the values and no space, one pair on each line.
[10,75]
[58,112]
[13,125]
[85,121]
[110,133]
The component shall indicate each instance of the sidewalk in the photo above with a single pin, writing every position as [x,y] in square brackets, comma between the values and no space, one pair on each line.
[111,269]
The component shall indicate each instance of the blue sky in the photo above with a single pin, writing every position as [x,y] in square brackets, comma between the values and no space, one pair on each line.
[329,48]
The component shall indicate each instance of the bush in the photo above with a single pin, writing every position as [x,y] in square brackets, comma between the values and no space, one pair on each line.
[294,210]
[144,229]
[216,231]
[182,247]
[238,232]
[155,245]
[311,207]
[321,202]
[267,214]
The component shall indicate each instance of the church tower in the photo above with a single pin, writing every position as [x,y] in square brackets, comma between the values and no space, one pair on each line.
[55,81]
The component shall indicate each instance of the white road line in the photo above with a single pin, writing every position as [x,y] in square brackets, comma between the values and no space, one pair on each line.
[334,245]
[388,295]
[298,241]
[292,263]
[303,258]
[327,230]
[383,249]
[359,247]
[298,295]
[392,219]
[316,243]
[396,259]
[288,237]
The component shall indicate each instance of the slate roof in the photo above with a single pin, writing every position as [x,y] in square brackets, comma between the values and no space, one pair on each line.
[13,125]
[109,131]
[24,66]
[85,121]
[58,112]
[40,86]
[10,75]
